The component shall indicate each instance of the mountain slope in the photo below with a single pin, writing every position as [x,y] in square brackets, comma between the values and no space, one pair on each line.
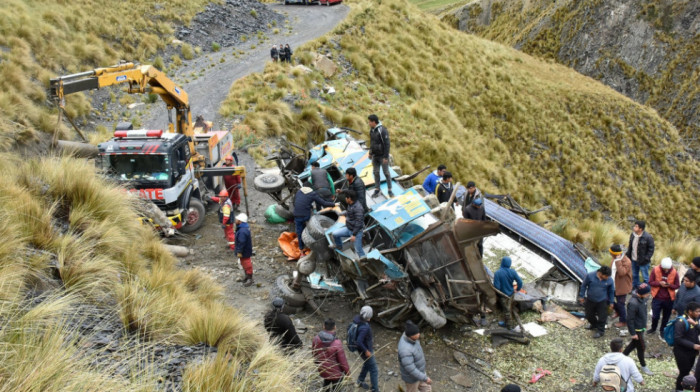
[645,49]
[513,123]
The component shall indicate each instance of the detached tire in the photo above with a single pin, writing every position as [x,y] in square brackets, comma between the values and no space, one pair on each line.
[317,226]
[428,309]
[307,264]
[283,212]
[284,290]
[194,217]
[269,183]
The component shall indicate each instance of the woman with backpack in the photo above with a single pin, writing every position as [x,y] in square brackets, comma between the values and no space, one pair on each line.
[685,341]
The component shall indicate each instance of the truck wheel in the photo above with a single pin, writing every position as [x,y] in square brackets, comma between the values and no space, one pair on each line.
[269,183]
[194,217]
[317,226]
[285,291]
[307,264]
[283,212]
[428,308]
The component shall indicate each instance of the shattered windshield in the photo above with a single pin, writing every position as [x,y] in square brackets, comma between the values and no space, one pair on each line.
[141,168]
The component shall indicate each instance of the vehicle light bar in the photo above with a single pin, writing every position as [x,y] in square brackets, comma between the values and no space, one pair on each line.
[140,134]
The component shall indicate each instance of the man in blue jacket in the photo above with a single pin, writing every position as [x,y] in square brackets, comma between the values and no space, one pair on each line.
[244,247]
[364,342]
[598,294]
[303,202]
[503,281]
[433,178]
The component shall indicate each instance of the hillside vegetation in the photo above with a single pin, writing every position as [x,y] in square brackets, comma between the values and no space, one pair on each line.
[71,241]
[40,39]
[648,50]
[511,122]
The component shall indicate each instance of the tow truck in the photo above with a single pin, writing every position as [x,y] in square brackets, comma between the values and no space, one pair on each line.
[175,169]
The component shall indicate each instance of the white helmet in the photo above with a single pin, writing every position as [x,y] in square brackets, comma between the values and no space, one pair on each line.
[242,217]
[666,263]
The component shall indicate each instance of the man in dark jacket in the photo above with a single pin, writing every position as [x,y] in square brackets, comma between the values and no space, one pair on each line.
[412,360]
[637,324]
[685,341]
[598,294]
[473,193]
[695,266]
[444,189]
[503,281]
[279,325]
[274,53]
[689,292]
[476,211]
[303,202]
[379,153]
[321,182]
[330,358]
[356,184]
[365,341]
[288,53]
[640,250]
[354,225]
[244,247]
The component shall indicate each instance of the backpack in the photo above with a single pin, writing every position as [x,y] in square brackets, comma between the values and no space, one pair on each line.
[611,378]
[352,337]
[670,329]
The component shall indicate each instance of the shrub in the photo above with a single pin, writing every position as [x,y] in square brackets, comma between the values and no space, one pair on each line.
[187,51]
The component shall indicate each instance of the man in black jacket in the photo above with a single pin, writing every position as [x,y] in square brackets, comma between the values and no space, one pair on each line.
[685,341]
[379,148]
[475,211]
[274,53]
[444,189]
[321,181]
[303,201]
[279,325]
[637,324]
[640,250]
[356,184]
[354,224]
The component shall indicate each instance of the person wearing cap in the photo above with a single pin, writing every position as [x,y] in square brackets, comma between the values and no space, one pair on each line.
[695,266]
[244,248]
[303,206]
[689,383]
[689,292]
[379,148]
[365,342]
[640,251]
[664,282]
[329,356]
[472,193]
[597,293]
[444,189]
[432,180]
[281,327]
[637,324]
[232,183]
[623,282]
[412,360]
[628,370]
[321,181]
[503,281]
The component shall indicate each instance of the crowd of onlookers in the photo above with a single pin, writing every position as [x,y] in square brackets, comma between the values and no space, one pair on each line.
[282,54]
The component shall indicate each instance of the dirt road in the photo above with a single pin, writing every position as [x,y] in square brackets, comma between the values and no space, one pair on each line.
[209,90]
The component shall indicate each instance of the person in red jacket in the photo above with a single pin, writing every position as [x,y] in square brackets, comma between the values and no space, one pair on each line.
[330,358]
[232,184]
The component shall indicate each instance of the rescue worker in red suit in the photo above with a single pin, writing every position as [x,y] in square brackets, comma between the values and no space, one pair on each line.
[227,219]
[232,184]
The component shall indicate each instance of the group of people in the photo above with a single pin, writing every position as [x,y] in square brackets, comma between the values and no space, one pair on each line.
[626,288]
[283,54]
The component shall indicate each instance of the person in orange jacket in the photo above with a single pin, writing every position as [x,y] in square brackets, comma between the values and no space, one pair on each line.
[664,282]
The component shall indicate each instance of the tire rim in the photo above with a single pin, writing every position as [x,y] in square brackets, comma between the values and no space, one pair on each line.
[192,216]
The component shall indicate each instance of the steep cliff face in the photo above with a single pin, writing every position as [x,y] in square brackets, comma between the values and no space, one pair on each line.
[648,50]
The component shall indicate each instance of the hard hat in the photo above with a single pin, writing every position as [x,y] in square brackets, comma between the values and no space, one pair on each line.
[666,263]
[223,193]
[228,158]
[242,217]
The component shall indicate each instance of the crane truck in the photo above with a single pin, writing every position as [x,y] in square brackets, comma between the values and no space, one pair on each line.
[173,169]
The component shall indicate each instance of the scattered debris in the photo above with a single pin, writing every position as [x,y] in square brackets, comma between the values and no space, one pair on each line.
[533,329]
[558,314]
[325,65]
[461,379]
[540,373]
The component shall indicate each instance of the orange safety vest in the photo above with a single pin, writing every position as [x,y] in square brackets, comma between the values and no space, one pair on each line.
[671,278]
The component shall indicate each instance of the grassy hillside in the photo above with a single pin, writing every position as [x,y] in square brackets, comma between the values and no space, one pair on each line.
[71,240]
[511,122]
[437,6]
[646,49]
[42,38]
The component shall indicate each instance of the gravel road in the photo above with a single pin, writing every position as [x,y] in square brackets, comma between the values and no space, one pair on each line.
[209,90]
